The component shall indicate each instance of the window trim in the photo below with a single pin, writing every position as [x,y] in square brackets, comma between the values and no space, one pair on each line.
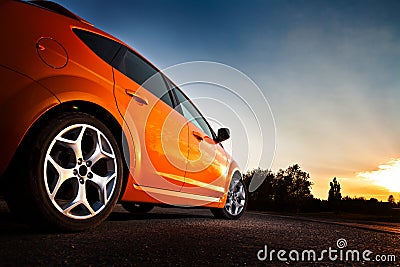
[117,60]
[169,84]
[77,31]
[195,107]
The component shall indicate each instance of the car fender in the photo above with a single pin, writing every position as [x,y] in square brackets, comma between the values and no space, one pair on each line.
[99,92]
[23,102]
[233,169]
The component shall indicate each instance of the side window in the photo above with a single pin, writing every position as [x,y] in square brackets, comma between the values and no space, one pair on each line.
[191,113]
[105,48]
[145,75]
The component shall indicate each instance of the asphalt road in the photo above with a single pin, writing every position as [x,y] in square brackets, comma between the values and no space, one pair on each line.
[191,237]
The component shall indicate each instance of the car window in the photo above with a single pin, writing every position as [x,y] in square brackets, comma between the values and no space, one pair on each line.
[105,48]
[145,75]
[190,112]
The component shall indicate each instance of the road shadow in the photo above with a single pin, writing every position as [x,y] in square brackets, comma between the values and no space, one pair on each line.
[126,216]
[10,225]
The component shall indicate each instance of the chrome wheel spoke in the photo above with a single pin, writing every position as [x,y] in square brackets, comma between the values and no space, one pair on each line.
[241,194]
[236,200]
[101,140]
[99,181]
[76,145]
[80,199]
[96,156]
[87,205]
[71,206]
[239,204]
[233,185]
[102,183]
[228,204]
[63,175]
[234,208]
[99,152]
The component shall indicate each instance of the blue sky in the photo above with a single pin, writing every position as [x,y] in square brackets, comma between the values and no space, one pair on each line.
[329,69]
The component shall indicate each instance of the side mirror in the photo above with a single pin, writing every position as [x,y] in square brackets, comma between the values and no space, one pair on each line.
[223,134]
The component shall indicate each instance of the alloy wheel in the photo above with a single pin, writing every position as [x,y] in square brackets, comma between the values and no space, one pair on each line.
[80,171]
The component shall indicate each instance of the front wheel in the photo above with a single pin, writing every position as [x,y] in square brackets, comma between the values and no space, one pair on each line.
[236,201]
[70,174]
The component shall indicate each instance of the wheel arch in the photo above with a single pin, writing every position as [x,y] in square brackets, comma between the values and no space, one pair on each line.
[233,171]
[94,110]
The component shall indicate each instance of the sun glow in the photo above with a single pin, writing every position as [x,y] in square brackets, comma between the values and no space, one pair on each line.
[388,175]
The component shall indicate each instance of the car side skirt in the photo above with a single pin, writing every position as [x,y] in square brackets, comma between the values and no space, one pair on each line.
[160,196]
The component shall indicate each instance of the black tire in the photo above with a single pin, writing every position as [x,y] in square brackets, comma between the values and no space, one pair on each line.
[91,191]
[138,208]
[236,202]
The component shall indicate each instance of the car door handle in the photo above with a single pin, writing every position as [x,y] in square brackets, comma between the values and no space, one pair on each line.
[198,135]
[140,99]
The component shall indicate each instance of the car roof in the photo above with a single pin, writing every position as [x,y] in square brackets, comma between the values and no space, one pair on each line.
[57,8]
[85,25]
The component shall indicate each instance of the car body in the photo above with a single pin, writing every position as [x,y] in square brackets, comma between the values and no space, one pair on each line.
[88,122]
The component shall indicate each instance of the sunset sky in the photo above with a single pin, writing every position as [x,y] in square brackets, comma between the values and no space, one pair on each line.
[330,71]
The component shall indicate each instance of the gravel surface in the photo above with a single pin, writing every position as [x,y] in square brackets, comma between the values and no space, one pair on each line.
[170,237]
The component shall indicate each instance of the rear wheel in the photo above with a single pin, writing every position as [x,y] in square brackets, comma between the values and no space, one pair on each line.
[69,175]
[137,207]
[236,200]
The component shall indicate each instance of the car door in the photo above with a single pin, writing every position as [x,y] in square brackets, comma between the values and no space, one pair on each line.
[207,161]
[160,134]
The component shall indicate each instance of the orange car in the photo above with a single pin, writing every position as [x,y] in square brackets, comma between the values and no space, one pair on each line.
[87,122]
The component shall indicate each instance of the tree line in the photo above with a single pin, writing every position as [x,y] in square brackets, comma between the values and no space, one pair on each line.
[290,190]
[286,190]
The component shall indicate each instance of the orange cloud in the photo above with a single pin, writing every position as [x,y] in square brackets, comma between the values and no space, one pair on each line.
[387,175]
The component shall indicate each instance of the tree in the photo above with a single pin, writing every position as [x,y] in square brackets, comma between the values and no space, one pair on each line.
[261,198]
[292,187]
[334,191]
[288,189]
[391,200]
[335,196]
[280,187]
[301,186]
[373,200]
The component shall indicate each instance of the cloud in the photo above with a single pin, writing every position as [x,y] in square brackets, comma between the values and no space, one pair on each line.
[387,175]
